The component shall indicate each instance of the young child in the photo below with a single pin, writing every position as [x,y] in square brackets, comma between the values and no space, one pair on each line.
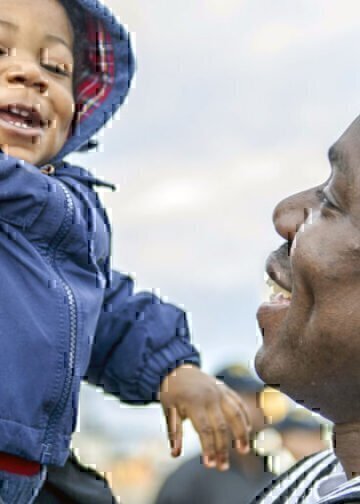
[65,67]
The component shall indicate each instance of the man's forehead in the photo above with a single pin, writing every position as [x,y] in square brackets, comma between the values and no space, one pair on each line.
[346,150]
[344,158]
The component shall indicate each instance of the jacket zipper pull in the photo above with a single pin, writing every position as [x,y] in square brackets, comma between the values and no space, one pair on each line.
[48,170]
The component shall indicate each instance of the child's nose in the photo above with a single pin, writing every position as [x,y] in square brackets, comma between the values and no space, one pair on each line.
[27,74]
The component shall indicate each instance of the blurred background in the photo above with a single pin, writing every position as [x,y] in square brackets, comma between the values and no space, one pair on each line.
[234,106]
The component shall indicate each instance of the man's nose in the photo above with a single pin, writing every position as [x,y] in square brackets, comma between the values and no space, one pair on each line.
[293,211]
[27,74]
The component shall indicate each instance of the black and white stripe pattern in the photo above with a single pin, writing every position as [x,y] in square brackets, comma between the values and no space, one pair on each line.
[295,486]
[348,492]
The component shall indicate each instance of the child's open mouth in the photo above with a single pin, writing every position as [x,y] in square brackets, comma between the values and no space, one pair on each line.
[22,120]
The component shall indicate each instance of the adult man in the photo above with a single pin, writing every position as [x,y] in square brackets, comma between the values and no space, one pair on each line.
[194,484]
[311,335]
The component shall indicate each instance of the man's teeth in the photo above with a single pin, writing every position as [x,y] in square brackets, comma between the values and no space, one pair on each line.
[277,292]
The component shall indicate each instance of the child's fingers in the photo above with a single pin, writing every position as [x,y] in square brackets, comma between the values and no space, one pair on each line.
[221,435]
[237,419]
[242,405]
[203,426]
[174,427]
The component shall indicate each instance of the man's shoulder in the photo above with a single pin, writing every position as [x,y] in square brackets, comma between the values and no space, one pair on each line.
[346,493]
[298,482]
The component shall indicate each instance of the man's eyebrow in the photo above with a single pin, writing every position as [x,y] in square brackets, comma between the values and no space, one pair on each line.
[336,158]
[49,36]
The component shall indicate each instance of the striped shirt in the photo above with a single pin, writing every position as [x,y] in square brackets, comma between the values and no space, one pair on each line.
[318,479]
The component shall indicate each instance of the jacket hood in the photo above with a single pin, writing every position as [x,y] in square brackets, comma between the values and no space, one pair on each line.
[106,81]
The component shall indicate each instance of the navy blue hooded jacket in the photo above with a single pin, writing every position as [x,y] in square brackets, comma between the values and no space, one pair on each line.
[64,315]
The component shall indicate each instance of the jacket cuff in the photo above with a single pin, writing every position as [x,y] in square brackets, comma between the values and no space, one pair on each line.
[161,363]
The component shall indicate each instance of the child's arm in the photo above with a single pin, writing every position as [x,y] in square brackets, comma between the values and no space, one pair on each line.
[139,340]
[142,353]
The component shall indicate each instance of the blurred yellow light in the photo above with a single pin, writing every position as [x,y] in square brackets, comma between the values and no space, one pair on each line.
[274,404]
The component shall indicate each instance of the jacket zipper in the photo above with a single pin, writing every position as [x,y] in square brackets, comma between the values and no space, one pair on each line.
[58,411]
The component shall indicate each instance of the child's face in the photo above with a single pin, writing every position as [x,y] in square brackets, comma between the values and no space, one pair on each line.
[36,38]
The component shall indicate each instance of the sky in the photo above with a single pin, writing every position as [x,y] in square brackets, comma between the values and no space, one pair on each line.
[234,106]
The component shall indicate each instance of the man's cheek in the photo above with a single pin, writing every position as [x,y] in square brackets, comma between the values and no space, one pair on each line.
[336,310]
[330,338]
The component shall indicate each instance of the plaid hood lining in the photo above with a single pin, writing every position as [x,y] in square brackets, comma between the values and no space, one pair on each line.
[106,83]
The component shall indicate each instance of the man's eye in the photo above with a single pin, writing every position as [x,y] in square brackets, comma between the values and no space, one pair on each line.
[326,202]
[4,51]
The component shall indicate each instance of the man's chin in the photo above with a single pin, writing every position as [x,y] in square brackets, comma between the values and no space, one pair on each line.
[273,367]
[263,369]
[277,371]
[270,317]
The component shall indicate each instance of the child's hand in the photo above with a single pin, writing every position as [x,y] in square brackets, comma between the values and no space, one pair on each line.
[214,410]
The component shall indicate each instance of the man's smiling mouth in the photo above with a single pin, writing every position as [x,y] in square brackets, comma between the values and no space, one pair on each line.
[278,295]
[279,276]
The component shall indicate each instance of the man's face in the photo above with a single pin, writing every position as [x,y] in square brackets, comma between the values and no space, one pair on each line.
[36,98]
[311,343]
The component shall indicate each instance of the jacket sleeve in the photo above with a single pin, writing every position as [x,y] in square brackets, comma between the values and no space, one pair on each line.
[139,340]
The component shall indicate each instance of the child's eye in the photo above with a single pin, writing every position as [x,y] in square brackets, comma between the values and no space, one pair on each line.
[59,69]
[4,51]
